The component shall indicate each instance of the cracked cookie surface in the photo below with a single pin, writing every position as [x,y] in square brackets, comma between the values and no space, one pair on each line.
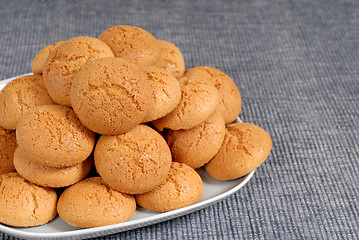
[92,203]
[134,162]
[111,95]
[24,204]
[245,147]
[183,187]
[53,136]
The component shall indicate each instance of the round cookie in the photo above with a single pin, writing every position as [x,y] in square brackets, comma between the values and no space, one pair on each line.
[134,162]
[91,203]
[245,147]
[166,92]
[111,95]
[230,98]
[199,100]
[39,60]
[171,59]
[66,60]
[46,176]
[24,204]
[7,148]
[20,95]
[197,146]
[183,187]
[132,43]
[53,136]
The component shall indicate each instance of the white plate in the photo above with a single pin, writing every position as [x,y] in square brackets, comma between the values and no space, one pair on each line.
[213,192]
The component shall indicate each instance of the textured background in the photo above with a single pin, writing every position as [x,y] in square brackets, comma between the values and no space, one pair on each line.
[296,65]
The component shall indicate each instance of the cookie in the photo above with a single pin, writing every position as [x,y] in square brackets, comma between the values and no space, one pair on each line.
[46,176]
[134,162]
[24,204]
[20,95]
[7,148]
[171,59]
[111,95]
[92,203]
[183,187]
[245,147]
[230,102]
[199,100]
[132,43]
[39,60]
[53,136]
[197,146]
[166,92]
[66,60]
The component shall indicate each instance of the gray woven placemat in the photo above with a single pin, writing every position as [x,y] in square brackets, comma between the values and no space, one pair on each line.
[296,65]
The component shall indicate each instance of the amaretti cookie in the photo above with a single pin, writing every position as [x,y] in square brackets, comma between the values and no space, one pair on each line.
[134,162]
[45,176]
[230,102]
[8,146]
[245,147]
[197,146]
[171,59]
[54,136]
[92,203]
[132,43]
[183,187]
[24,204]
[66,60]
[111,95]
[39,60]
[166,92]
[199,100]
[20,95]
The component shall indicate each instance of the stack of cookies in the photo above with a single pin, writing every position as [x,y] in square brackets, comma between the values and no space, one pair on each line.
[110,122]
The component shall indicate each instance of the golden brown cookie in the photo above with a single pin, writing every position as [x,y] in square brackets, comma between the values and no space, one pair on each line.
[171,59]
[245,147]
[39,60]
[198,102]
[92,203]
[230,102]
[20,95]
[134,162]
[198,145]
[111,95]
[46,176]
[132,43]
[24,204]
[166,92]
[66,60]
[53,136]
[183,187]
[7,148]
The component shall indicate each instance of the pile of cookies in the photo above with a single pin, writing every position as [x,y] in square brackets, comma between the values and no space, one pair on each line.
[108,123]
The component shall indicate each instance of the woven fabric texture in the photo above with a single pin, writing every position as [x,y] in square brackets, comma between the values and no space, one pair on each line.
[296,64]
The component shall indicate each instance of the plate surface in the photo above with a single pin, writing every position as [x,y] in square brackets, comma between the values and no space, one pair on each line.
[213,192]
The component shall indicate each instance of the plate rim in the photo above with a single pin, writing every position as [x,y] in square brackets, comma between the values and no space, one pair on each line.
[125,226]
